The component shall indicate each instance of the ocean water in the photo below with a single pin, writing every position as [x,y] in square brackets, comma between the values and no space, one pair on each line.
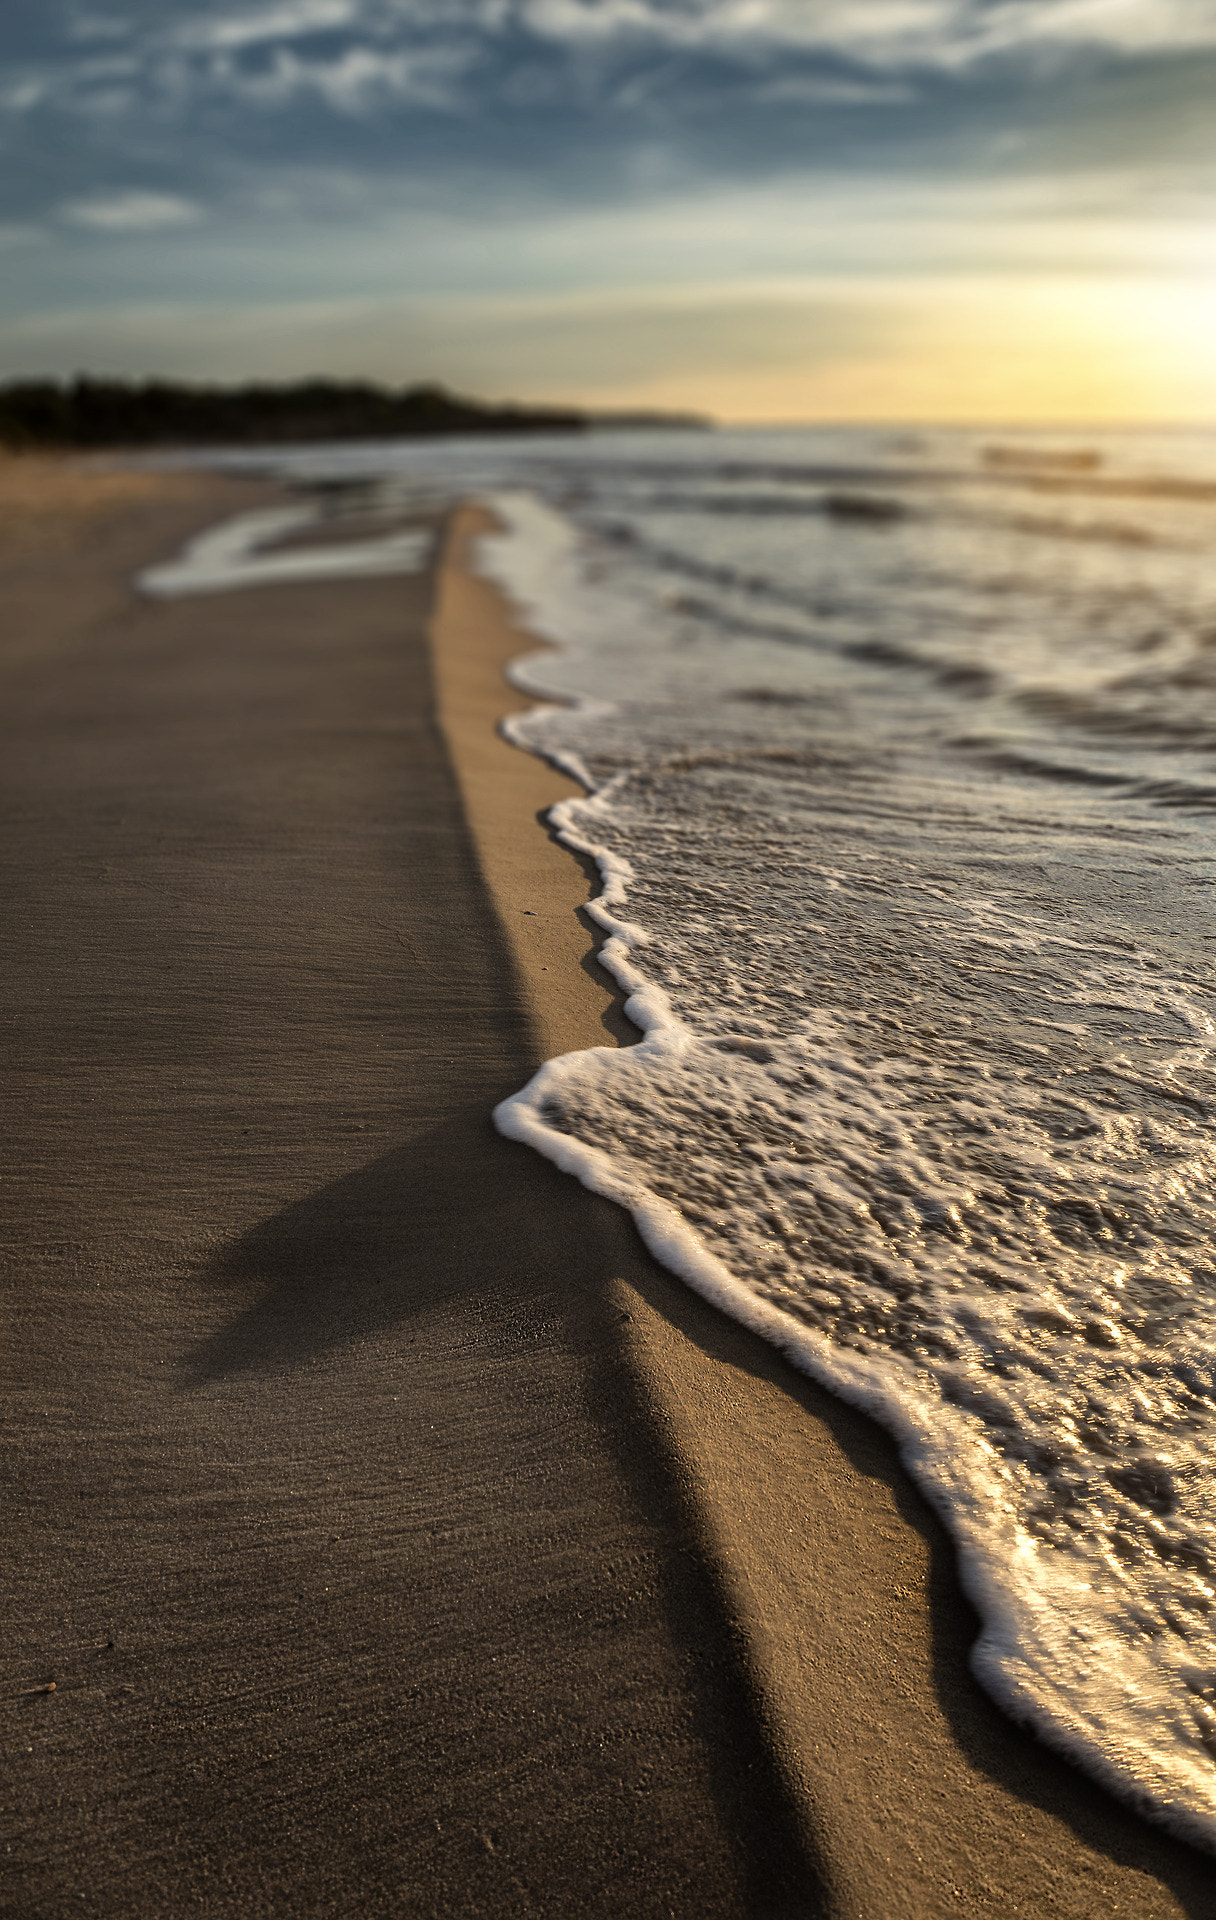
[252,549]
[899,755]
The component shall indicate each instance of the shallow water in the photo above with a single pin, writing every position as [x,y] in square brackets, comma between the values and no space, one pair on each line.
[900,755]
[253,549]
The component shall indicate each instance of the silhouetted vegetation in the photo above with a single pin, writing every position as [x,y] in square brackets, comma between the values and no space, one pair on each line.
[89,412]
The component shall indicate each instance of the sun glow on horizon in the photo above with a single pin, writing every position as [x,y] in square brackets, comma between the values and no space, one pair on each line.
[1091,351]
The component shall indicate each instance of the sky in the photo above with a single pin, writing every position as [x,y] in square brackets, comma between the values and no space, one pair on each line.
[768,210]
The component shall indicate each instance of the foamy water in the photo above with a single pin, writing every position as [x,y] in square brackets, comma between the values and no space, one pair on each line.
[900,758]
[248,551]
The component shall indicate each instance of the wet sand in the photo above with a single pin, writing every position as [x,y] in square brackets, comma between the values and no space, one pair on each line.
[400,1539]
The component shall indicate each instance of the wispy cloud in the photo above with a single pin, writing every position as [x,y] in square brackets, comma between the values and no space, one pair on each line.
[353,80]
[565,93]
[264,152]
[370,54]
[833,90]
[131,212]
[275,24]
[889,32]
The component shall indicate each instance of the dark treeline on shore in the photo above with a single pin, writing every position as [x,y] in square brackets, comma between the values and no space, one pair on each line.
[88,412]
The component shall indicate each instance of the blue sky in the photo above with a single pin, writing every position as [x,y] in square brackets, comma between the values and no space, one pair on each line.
[768,208]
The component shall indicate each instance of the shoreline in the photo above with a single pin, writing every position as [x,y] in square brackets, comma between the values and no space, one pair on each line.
[841,1579]
[394,1529]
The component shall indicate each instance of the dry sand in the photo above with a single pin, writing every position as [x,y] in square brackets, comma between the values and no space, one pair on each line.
[46,502]
[399,1538]
[329,1508]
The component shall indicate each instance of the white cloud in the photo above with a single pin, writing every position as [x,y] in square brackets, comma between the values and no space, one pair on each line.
[291,21]
[131,212]
[357,55]
[827,90]
[24,95]
[884,32]
[356,80]
[1130,26]
[879,34]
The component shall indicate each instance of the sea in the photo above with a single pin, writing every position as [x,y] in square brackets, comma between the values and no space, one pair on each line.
[898,757]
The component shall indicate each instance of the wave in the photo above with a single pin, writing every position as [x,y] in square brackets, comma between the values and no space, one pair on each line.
[933,1124]
[1110,533]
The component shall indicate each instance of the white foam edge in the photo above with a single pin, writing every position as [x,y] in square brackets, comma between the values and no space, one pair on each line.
[229,555]
[1002,1658]
[929,1437]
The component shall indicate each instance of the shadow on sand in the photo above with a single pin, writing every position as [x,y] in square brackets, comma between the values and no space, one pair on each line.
[463,1219]
[536,1256]
[992,1743]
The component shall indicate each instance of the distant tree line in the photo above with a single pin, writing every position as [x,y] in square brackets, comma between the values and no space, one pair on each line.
[88,412]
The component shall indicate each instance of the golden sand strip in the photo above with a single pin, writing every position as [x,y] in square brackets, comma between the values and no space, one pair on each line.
[919,1797]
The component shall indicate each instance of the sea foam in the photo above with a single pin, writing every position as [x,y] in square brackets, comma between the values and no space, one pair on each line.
[924,1085]
[242,552]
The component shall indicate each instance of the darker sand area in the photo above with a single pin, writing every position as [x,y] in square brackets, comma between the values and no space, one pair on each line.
[328,1505]
[399,1538]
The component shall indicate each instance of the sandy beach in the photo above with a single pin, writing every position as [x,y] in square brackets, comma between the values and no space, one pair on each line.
[397,1536]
